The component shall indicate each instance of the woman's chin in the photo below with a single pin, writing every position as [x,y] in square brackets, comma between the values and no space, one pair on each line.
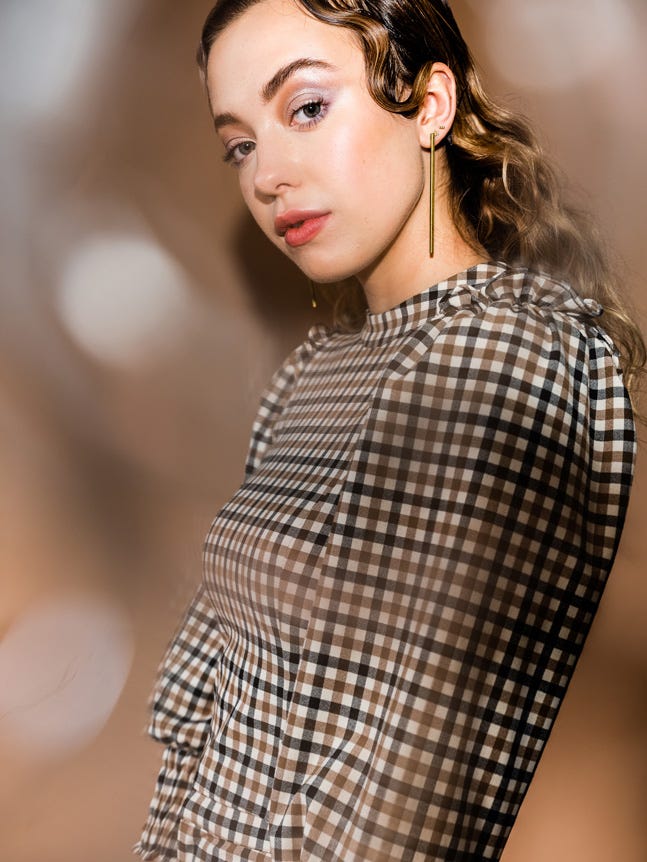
[327,272]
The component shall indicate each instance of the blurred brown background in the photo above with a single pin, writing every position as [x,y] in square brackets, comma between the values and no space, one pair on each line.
[141,314]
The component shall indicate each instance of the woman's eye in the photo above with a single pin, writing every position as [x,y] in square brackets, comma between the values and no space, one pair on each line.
[312,110]
[237,153]
[310,113]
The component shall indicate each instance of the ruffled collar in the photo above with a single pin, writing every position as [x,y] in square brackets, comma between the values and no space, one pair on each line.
[480,285]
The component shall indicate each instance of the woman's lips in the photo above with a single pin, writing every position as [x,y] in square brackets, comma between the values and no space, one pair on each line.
[299,227]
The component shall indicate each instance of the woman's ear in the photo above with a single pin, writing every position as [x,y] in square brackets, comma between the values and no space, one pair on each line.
[439,106]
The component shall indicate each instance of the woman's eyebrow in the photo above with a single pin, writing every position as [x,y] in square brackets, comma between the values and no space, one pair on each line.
[269,90]
[221,120]
[276,81]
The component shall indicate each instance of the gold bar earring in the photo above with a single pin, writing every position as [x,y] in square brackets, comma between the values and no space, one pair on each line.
[313,294]
[432,191]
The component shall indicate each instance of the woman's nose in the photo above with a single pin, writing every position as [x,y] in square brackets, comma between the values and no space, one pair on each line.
[277,167]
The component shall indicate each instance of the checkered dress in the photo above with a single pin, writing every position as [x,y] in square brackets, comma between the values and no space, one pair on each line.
[394,600]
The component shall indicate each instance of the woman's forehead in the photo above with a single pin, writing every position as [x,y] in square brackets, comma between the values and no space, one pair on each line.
[268,36]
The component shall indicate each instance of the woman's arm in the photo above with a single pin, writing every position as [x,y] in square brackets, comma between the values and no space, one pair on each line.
[182,699]
[182,704]
[474,536]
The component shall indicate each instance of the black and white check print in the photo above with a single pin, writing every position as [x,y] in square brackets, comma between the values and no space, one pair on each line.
[394,600]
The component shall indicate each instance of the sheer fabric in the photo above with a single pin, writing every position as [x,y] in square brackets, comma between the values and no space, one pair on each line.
[394,601]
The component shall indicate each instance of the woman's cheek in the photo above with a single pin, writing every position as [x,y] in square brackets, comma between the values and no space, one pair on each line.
[345,156]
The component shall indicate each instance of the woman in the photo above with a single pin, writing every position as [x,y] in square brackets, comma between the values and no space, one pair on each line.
[394,600]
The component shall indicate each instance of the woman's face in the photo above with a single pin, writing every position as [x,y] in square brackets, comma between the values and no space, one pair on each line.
[332,179]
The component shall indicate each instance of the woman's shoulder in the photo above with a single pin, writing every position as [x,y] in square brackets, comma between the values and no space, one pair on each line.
[295,362]
[514,317]
[520,289]
[529,308]
[522,348]
[278,390]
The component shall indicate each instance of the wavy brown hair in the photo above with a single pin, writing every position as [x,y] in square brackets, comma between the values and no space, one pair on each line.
[504,195]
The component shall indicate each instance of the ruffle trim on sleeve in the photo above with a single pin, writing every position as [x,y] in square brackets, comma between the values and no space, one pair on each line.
[175,781]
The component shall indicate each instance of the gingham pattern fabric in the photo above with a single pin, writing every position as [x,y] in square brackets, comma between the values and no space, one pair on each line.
[395,599]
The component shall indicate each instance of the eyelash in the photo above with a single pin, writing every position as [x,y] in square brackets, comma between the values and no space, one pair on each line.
[230,155]
[312,121]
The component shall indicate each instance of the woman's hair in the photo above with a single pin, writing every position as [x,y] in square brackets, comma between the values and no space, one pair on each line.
[504,195]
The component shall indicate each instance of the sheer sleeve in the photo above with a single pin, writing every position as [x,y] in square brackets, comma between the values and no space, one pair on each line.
[474,535]
[183,695]
[180,718]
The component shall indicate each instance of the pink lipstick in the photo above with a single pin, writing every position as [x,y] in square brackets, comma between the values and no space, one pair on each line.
[299,227]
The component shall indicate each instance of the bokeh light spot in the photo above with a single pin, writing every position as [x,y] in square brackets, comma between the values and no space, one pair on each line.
[552,44]
[122,298]
[46,47]
[63,665]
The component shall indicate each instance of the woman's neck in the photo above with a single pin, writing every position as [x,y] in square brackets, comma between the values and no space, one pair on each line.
[406,267]
[383,294]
